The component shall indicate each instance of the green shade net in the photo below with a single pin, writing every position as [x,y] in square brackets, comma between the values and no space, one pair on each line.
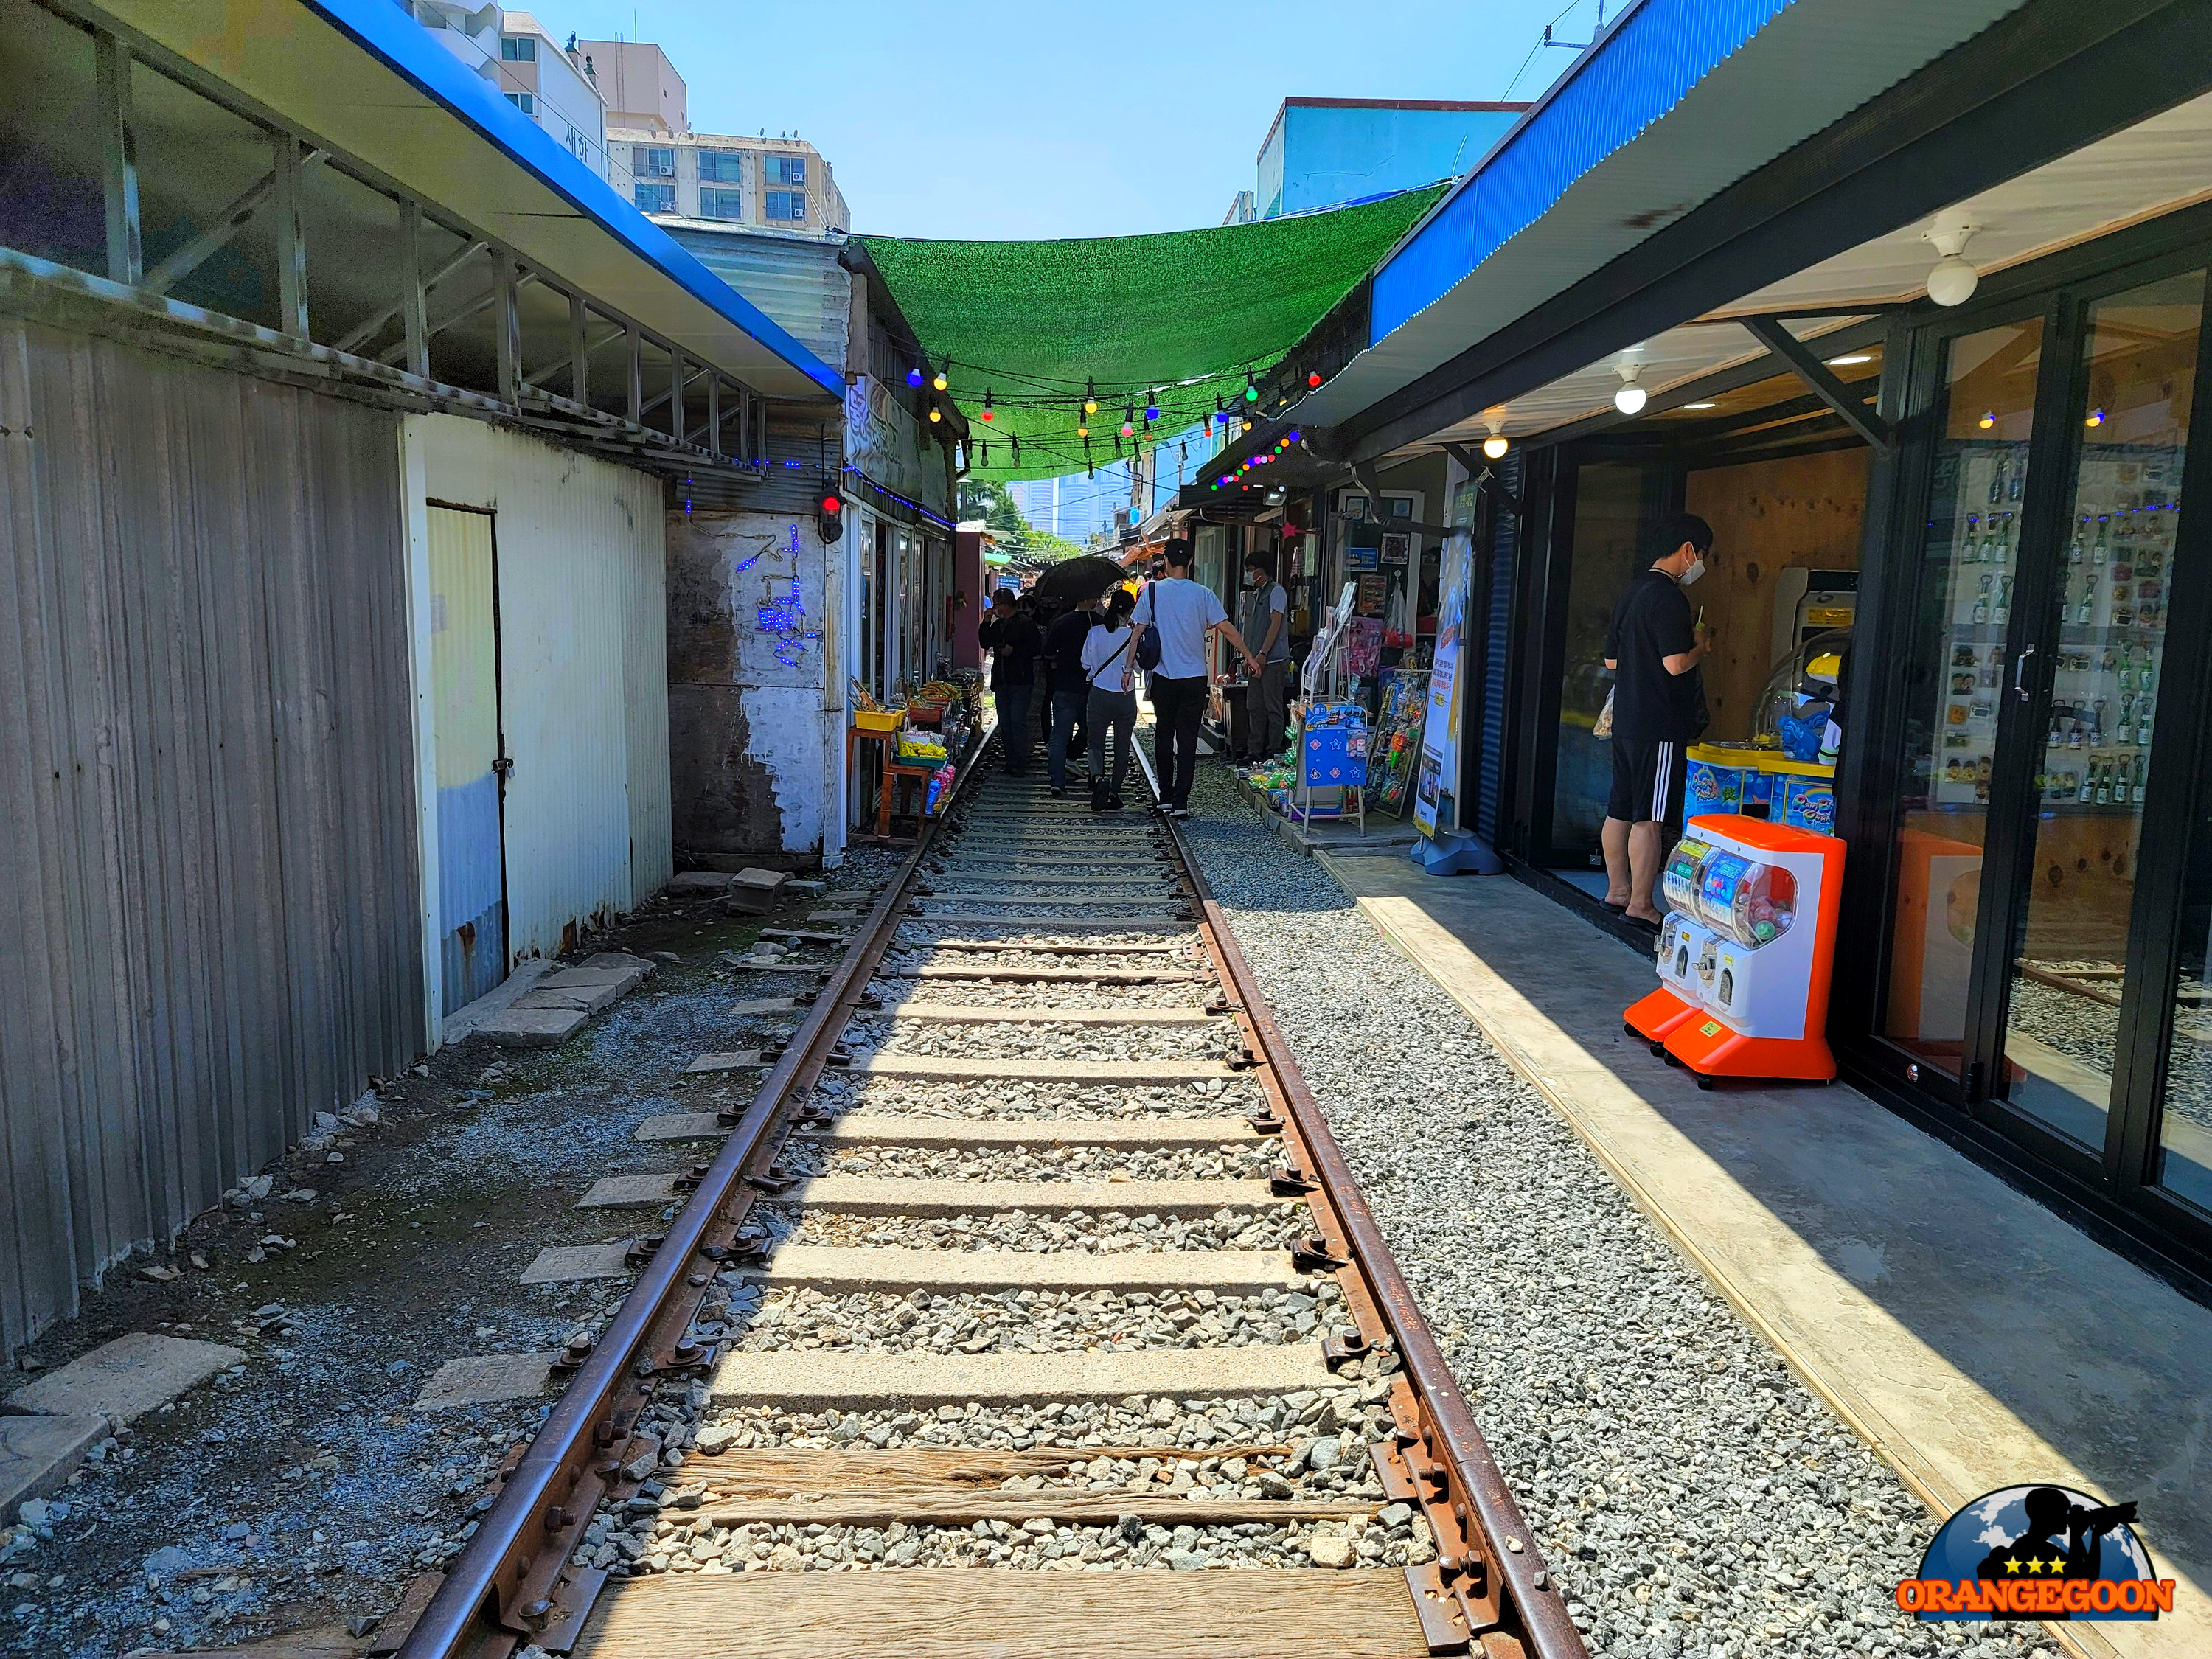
[1179,318]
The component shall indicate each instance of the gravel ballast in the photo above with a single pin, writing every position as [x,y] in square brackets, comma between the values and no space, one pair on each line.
[1694,1498]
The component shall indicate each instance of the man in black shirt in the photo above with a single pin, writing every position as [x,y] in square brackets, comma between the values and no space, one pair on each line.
[1063,649]
[1013,643]
[1654,646]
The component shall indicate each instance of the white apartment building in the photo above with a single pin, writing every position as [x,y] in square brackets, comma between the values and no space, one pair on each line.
[554,86]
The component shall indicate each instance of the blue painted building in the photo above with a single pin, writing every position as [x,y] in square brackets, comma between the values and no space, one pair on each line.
[1324,152]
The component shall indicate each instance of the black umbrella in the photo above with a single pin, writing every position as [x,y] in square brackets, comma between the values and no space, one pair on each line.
[1073,581]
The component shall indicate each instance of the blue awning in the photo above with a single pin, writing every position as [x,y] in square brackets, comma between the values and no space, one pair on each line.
[1676,101]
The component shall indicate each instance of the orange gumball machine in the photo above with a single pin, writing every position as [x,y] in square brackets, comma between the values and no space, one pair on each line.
[1745,956]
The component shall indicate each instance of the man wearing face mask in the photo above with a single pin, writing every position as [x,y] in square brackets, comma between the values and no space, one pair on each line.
[1654,646]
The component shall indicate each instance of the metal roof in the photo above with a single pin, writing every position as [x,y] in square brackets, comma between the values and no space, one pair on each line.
[1677,100]
[798,281]
[367,78]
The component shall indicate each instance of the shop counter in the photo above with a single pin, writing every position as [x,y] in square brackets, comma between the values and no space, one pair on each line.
[1759,781]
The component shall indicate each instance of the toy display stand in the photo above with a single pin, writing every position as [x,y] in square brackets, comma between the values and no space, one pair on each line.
[1747,952]
[1333,761]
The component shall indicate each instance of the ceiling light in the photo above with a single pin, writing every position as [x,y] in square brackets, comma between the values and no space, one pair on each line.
[1495,445]
[1705,406]
[2096,417]
[1989,419]
[1951,282]
[1854,357]
[1631,399]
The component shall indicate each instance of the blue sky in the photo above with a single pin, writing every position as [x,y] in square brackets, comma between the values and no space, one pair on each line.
[947,118]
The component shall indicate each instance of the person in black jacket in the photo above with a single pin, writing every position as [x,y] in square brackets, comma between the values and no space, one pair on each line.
[1014,642]
[1063,650]
[1654,646]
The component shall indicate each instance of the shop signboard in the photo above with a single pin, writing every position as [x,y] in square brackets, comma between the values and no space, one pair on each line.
[1436,791]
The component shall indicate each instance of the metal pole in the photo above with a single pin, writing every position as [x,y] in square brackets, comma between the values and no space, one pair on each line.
[676,378]
[291,240]
[119,160]
[635,403]
[506,329]
[580,351]
[714,414]
[414,307]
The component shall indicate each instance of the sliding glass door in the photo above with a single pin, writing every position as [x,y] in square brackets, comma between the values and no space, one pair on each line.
[2049,855]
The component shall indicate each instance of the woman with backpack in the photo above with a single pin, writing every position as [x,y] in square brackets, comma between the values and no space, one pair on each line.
[1108,669]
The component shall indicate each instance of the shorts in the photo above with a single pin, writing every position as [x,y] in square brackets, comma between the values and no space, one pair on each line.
[1648,780]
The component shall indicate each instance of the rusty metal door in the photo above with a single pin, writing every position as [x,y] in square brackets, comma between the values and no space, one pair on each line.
[465,677]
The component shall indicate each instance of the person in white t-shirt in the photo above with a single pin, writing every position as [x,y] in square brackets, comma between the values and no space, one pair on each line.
[1182,610]
[1109,672]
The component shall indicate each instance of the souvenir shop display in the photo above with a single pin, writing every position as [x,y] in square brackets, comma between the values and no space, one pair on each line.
[1746,952]
[1394,748]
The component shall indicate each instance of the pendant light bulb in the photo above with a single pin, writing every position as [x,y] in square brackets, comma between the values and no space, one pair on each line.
[1495,446]
[1952,281]
[1632,397]
[935,414]
[943,371]
[987,412]
[1091,397]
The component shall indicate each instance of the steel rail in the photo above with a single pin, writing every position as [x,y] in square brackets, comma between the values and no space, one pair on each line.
[547,1498]
[1515,1562]
[465,1608]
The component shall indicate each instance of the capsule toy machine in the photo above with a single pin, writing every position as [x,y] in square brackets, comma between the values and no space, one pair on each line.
[1685,947]
[1744,991]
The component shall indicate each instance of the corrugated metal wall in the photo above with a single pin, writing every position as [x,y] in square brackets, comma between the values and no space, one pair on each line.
[583,672]
[208,881]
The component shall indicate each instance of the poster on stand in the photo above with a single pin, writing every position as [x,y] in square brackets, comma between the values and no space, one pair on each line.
[1436,790]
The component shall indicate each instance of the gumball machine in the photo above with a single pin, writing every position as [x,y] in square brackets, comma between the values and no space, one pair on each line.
[1746,956]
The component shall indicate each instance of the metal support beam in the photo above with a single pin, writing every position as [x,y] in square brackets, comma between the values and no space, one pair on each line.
[291,240]
[413,308]
[1479,470]
[373,326]
[677,377]
[634,375]
[1861,419]
[507,326]
[580,350]
[233,218]
[1365,471]
[118,143]
[713,413]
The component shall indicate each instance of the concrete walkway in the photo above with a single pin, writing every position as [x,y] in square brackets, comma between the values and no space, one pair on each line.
[1972,1337]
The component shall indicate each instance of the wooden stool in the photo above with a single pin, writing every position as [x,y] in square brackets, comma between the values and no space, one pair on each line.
[888,742]
[895,775]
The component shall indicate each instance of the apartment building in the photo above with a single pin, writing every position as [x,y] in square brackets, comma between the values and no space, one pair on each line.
[554,86]
[772,184]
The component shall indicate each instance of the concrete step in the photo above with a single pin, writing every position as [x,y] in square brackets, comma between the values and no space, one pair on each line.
[1101,1074]
[847,1268]
[811,1380]
[1061,976]
[925,1613]
[880,1129]
[1066,947]
[954,1013]
[905,1195]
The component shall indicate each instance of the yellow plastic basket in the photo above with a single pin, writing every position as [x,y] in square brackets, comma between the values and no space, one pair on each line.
[879,719]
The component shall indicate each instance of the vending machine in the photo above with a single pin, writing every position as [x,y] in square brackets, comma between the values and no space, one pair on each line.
[1746,952]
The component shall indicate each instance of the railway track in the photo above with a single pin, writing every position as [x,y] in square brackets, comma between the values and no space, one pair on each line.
[1031,1250]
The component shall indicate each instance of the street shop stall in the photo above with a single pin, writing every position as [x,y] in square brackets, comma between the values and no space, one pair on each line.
[908,749]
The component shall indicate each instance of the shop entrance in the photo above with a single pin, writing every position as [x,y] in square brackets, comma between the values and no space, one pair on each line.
[1783,484]
[2040,849]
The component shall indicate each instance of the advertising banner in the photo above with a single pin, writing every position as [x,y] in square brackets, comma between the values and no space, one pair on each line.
[1436,790]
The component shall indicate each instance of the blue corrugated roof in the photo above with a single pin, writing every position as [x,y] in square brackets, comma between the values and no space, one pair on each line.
[1639,71]
[384,30]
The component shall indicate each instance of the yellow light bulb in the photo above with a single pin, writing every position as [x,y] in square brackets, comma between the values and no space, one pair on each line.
[935,414]
[1090,406]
